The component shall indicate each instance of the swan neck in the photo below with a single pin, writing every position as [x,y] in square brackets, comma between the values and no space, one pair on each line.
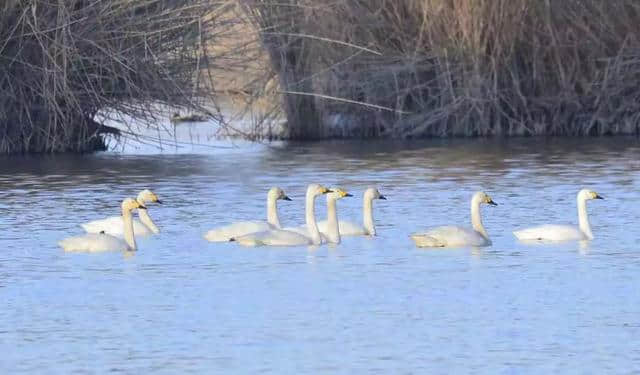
[129,237]
[583,219]
[146,220]
[367,216]
[272,212]
[476,219]
[333,229]
[310,215]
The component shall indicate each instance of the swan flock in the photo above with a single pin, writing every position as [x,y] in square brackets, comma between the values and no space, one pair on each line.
[118,233]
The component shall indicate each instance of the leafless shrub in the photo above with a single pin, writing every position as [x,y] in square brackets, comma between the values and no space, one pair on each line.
[415,68]
[62,61]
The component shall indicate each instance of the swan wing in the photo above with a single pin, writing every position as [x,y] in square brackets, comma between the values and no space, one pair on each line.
[224,234]
[114,226]
[323,226]
[349,228]
[275,237]
[449,236]
[550,232]
[109,224]
[424,240]
[300,230]
[93,242]
[346,228]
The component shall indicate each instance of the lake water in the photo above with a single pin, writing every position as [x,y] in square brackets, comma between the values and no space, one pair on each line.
[369,305]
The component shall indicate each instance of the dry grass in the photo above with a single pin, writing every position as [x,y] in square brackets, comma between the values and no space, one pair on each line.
[337,68]
[415,68]
[63,61]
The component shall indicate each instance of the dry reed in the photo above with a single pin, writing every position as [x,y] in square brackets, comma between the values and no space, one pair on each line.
[63,61]
[416,68]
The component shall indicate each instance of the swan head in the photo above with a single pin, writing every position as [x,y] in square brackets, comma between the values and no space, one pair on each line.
[337,193]
[276,193]
[373,193]
[482,197]
[586,194]
[131,204]
[147,196]
[315,190]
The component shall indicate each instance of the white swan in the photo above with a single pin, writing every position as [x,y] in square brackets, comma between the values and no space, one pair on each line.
[282,237]
[94,242]
[241,228]
[348,228]
[454,236]
[551,232]
[113,225]
[331,233]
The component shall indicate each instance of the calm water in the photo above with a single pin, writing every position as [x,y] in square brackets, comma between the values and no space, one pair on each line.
[183,305]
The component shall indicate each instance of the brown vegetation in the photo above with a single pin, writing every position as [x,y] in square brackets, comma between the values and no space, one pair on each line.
[62,61]
[357,68]
[415,68]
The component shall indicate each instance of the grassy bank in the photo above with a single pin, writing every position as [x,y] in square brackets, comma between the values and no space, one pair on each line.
[416,68]
[63,61]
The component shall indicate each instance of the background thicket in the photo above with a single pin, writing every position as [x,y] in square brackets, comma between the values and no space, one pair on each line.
[63,61]
[335,68]
[454,67]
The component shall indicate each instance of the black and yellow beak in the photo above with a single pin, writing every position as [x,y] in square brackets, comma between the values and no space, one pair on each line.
[158,201]
[286,198]
[598,196]
[382,197]
[141,207]
[492,203]
[327,191]
[348,195]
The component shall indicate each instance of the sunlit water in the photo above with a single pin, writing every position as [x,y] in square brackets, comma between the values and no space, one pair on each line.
[369,305]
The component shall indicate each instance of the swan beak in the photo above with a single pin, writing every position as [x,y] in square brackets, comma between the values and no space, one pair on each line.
[491,202]
[158,201]
[347,195]
[382,197]
[286,198]
[325,191]
[141,207]
[598,196]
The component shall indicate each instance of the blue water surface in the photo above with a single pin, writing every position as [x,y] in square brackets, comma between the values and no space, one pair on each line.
[369,305]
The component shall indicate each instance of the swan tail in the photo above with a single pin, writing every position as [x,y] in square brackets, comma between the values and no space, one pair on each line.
[422,240]
[528,235]
[216,236]
[519,235]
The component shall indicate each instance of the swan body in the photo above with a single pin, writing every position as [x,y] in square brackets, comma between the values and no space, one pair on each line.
[114,225]
[551,232]
[331,233]
[349,228]
[97,242]
[94,242]
[559,233]
[274,237]
[303,231]
[450,236]
[284,237]
[455,236]
[225,233]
